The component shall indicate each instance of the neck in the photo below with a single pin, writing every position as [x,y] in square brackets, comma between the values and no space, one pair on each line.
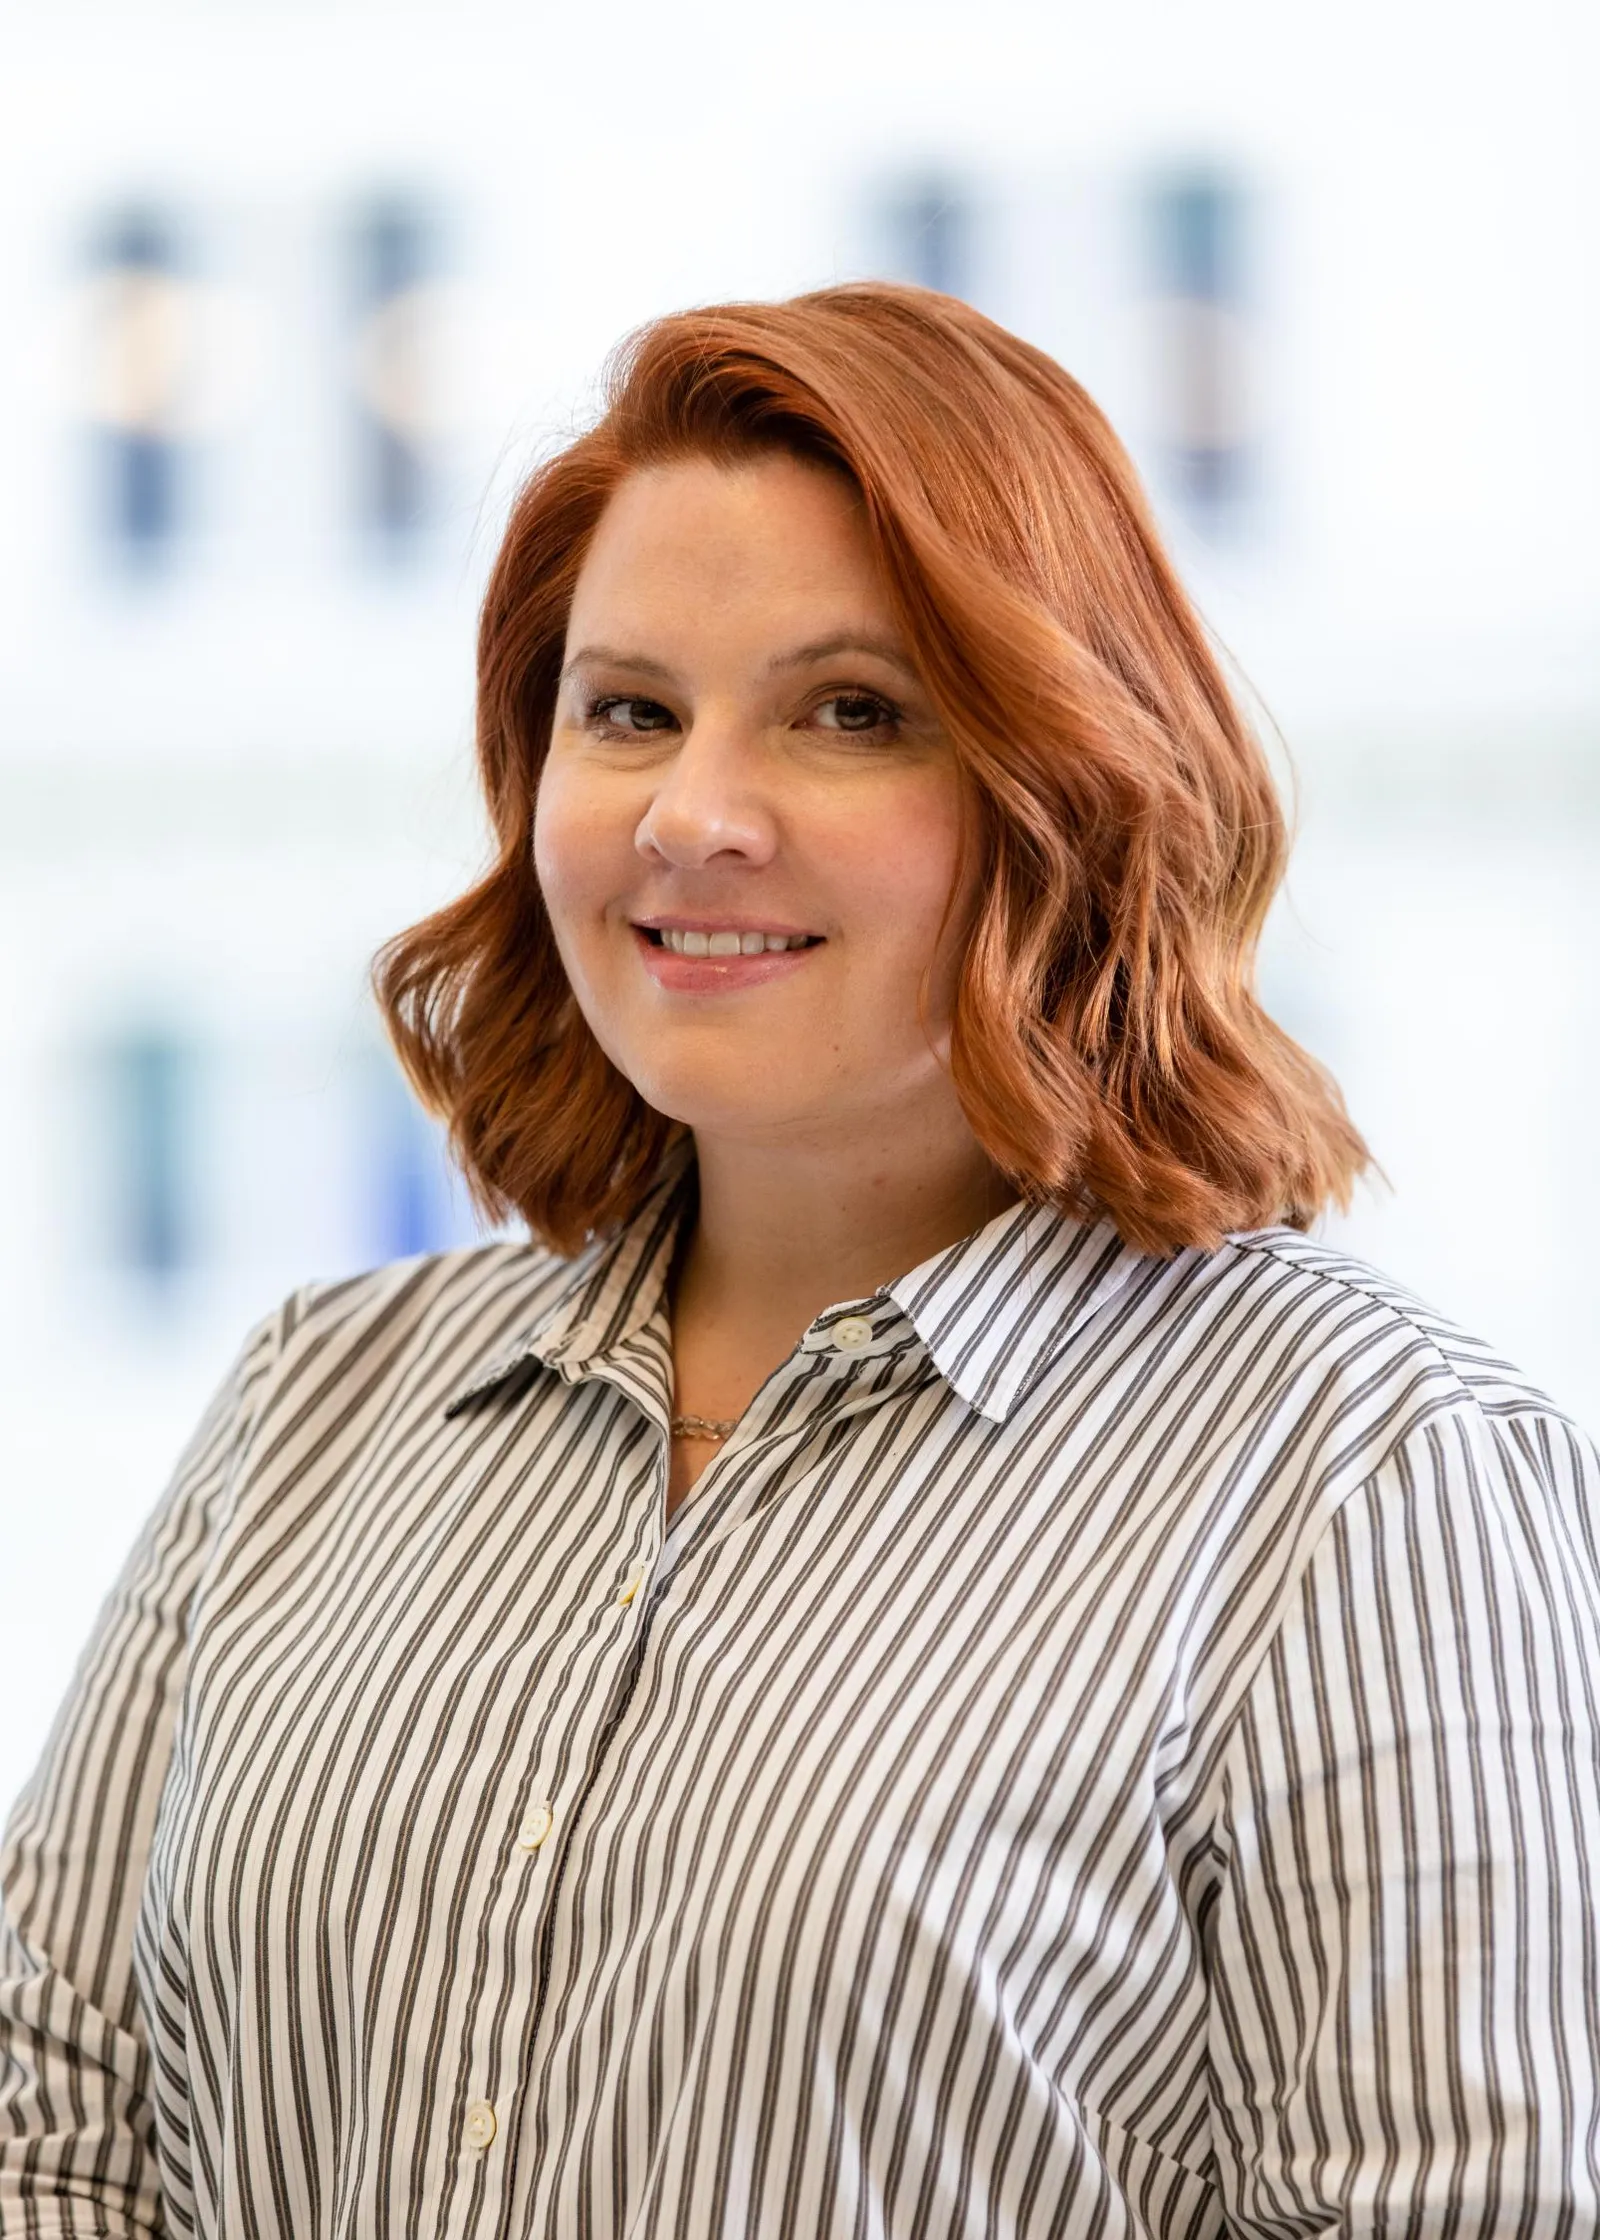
[785,1231]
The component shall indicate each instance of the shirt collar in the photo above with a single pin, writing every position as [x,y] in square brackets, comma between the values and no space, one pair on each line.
[992,1309]
[608,1294]
[989,1310]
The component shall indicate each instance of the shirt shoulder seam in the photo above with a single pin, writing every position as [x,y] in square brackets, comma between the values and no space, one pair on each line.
[1531,1402]
[1534,1403]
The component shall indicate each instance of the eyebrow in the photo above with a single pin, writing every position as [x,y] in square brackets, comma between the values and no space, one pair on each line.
[820,649]
[826,649]
[616,658]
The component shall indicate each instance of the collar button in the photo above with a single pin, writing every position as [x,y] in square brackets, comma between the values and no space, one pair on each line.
[852,1333]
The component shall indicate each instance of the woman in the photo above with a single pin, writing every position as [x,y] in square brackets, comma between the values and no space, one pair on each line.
[922,1662]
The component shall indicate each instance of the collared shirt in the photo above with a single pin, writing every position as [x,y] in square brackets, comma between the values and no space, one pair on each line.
[1109,1746]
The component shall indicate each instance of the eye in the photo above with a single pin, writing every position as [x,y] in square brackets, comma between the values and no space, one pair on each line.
[855,712]
[627,713]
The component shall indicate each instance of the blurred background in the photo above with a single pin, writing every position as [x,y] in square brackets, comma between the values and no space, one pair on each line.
[291,297]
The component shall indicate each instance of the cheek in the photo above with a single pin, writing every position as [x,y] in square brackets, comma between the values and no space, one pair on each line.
[575,846]
[903,870]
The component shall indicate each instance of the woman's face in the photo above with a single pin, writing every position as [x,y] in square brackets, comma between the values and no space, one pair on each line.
[747,829]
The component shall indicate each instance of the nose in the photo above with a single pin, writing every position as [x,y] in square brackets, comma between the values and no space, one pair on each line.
[708,805]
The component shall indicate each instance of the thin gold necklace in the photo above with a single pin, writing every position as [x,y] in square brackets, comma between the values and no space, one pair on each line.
[714,1428]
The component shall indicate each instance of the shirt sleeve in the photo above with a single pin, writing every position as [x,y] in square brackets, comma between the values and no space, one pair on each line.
[76,2123]
[1405,1948]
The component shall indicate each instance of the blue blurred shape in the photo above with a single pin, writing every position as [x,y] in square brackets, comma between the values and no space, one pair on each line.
[1197,258]
[930,230]
[394,265]
[1197,238]
[415,1202]
[150,1083]
[140,345]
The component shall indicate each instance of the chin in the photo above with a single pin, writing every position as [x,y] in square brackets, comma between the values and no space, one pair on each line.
[724,1108]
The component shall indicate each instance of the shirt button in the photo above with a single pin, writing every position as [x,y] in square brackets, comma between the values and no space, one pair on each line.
[852,1333]
[480,2126]
[534,1829]
[627,1593]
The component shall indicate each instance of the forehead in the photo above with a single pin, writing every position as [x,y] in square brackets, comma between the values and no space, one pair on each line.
[695,538]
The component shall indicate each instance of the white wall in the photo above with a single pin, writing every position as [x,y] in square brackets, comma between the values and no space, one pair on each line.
[217,795]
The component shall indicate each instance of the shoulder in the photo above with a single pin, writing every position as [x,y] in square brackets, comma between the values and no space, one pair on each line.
[1461,1534]
[428,1322]
[473,1281]
[1459,1410]
[1353,1442]
[1348,1309]
[1296,1362]
[1414,1392]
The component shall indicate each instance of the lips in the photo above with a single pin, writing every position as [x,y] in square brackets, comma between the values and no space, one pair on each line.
[726,941]
[716,959]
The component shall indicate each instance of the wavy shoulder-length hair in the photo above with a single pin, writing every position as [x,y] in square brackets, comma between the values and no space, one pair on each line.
[1108,1047]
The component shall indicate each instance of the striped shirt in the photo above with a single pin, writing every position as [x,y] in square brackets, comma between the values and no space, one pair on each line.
[1109,1746]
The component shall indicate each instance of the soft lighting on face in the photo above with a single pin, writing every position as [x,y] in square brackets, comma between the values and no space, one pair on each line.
[739,737]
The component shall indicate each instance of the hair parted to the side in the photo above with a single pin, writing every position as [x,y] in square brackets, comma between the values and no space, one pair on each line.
[1108,1047]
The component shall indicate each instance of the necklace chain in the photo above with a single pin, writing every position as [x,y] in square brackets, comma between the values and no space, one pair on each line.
[715,1428]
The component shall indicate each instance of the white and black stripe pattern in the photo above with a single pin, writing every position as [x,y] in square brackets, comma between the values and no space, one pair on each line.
[1117,1752]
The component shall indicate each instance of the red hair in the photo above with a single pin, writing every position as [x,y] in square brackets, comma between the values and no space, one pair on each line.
[1108,1048]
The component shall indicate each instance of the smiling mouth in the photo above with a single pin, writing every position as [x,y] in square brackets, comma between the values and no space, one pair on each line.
[694,941]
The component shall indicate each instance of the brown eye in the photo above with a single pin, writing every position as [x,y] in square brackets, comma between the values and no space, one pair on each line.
[854,711]
[627,714]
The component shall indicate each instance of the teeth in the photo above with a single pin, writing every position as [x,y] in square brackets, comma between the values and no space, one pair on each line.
[688,941]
